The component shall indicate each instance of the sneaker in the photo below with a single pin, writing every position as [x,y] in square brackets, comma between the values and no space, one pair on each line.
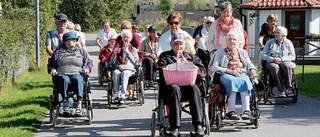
[289,92]
[173,133]
[245,115]
[134,97]
[282,94]
[121,101]
[116,100]
[232,115]
[77,112]
[130,97]
[199,131]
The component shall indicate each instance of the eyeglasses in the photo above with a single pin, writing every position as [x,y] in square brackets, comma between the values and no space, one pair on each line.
[176,22]
[124,28]
[209,22]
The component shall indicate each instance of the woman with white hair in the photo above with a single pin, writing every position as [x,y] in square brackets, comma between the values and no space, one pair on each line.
[237,69]
[124,59]
[278,54]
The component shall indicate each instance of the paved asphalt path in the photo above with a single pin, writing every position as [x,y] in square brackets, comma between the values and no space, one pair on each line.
[279,118]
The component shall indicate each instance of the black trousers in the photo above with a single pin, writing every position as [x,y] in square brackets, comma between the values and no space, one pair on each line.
[150,69]
[175,95]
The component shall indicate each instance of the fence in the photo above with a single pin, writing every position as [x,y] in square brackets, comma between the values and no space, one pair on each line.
[254,53]
[11,66]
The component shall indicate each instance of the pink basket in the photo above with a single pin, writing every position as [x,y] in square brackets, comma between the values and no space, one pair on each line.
[183,74]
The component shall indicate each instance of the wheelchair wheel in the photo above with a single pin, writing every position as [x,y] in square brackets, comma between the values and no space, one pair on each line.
[141,92]
[100,81]
[51,107]
[205,121]
[211,112]
[295,89]
[218,120]
[153,124]
[89,108]
[266,94]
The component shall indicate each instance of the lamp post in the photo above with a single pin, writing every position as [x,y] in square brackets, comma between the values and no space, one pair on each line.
[37,33]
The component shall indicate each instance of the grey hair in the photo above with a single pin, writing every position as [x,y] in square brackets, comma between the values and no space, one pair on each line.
[283,31]
[225,5]
[233,33]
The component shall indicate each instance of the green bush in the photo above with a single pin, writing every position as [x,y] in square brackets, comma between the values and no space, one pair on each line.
[17,40]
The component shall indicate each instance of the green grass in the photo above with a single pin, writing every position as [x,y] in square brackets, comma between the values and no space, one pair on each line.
[24,104]
[310,86]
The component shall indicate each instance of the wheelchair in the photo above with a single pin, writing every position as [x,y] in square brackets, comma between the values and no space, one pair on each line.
[136,79]
[102,77]
[160,113]
[217,103]
[147,84]
[55,101]
[269,85]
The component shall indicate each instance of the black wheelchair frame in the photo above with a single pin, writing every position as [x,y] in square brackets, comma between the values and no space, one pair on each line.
[135,78]
[217,102]
[267,80]
[54,102]
[159,114]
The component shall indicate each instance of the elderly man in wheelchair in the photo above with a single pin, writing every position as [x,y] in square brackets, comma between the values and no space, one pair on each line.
[277,57]
[236,70]
[173,94]
[66,64]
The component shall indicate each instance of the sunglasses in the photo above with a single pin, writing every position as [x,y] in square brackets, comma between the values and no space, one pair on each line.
[209,22]
[124,28]
[176,22]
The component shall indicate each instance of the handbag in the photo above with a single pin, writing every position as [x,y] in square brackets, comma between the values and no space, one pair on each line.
[126,67]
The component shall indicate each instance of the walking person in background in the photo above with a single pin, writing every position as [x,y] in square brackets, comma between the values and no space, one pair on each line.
[80,35]
[54,37]
[222,26]
[104,34]
[266,33]
[175,21]
[202,52]
[197,31]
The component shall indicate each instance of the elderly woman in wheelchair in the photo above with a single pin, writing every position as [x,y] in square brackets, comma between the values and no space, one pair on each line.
[278,56]
[234,65]
[66,64]
[124,60]
[173,94]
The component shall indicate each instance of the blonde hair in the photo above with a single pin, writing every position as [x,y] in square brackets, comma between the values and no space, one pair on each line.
[70,25]
[272,17]
[127,24]
[174,14]
[77,27]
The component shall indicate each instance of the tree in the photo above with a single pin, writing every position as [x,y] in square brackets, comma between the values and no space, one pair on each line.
[166,6]
[235,6]
[89,14]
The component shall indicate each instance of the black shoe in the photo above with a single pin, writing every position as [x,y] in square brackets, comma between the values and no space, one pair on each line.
[117,100]
[199,131]
[232,115]
[173,133]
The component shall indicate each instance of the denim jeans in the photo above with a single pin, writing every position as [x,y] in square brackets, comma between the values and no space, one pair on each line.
[75,82]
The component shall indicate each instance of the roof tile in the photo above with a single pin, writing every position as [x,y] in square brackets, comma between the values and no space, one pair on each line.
[279,4]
